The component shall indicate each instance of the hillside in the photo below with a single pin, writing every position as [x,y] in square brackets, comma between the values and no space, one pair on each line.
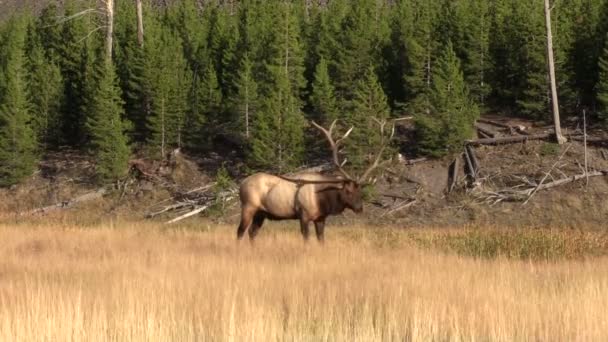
[410,193]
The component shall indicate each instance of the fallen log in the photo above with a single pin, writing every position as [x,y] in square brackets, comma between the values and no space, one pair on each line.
[488,133]
[399,207]
[469,165]
[572,179]
[69,203]
[453,178]
[473,157]
[188,214]
[589,139]
[524,195]
[548,173]
[495,123]
[508,140]
[415,161]
[167,209]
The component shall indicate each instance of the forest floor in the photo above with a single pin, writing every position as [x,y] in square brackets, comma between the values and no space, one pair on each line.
[406,195]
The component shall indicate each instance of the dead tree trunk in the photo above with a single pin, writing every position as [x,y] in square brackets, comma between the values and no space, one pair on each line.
[109,29]
[554,101]
[508,140]
[140,23]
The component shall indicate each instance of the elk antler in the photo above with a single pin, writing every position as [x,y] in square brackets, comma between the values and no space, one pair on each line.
[334,145]
[383,143]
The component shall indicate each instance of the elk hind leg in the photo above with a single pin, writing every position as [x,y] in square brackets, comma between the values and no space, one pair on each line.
[304,223]
[247,215]
[258,221]
[320,230]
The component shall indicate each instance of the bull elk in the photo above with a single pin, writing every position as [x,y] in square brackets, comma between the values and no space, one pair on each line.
[309,197]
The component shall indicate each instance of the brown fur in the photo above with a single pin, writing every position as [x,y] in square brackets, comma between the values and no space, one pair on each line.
[267,196]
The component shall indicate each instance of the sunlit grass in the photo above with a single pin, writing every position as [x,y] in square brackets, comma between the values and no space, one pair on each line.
[143,282]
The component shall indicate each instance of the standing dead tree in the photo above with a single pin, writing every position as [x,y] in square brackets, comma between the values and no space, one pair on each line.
[109,13]
[554,100]
[140,23]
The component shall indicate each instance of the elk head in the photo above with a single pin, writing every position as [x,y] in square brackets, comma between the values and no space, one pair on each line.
[350,188]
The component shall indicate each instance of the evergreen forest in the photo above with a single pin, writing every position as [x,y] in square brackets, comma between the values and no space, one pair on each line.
[255,73]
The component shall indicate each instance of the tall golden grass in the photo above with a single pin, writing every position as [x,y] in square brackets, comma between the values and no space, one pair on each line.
[140,282]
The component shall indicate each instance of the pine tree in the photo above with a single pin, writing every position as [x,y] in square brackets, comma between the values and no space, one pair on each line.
[602,85]
[453,113]
[245,103]
[364,34]
[106,127]
[49,31]
[75,56]
[130,60]
[205,116]
[168,81]
[44,84]
[277,141]
[323,98]
[368,105]
[419,43]
[18,153]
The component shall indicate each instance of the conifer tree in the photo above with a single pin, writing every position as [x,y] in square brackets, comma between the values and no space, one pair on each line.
[323,98]
[49,31]
[602,85]
[75,57]
[18,152]
[452,114]
[419,41]
[364,34]
[44,84]
[205,116]
[277,139]
[130,60]
[168,80]
[106,127]
[368,105]
[245,102]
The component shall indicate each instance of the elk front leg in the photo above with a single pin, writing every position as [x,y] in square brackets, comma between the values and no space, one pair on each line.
[247,214]
[320,230]
[304,228]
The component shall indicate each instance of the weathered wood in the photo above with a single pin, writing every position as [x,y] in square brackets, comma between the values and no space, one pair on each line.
[589,139]
[471,151]
[495,123]
[69,203]
[548,173]
[551,63]
[489,133]
[188,214]
[167,209]
[140,23]
[508,140]
[399,207]
[454,174]
[572,179]
[109,29]
[469,163]
[415,161]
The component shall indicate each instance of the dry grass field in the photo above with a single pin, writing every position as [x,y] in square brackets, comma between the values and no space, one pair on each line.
[141,282]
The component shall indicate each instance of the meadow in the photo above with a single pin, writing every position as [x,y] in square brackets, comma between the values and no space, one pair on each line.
[144,282]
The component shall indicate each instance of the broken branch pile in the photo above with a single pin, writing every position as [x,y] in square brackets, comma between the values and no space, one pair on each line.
[192,202]
[524,191]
